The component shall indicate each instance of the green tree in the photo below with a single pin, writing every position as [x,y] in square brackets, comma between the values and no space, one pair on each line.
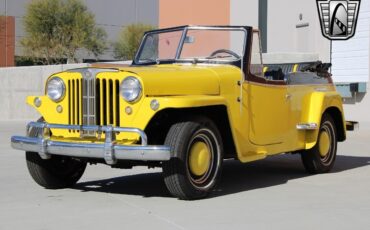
[57,29]
[129,40]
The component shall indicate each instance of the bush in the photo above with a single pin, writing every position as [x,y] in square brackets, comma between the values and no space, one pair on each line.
[129,40]
[57,29]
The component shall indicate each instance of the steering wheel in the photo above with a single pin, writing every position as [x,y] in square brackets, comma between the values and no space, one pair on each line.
[232,53]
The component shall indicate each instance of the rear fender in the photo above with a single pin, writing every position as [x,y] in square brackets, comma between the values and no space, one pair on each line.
[314,106]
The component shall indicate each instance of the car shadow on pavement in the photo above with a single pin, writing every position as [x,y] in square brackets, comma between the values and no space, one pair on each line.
[236,177]
[276,170]
[146,185]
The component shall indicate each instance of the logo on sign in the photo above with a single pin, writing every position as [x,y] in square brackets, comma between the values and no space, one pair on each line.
[338,18]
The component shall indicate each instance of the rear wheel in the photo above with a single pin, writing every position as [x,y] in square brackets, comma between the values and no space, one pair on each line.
[196,162]
[321,158]
[56,172]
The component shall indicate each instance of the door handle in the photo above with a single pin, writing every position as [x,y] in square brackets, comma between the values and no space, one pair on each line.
[288,96]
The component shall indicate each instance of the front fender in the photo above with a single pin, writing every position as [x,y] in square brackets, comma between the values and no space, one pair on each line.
[314,106]
[145,113]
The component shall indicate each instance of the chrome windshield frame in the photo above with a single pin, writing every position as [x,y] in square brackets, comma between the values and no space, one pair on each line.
[185,30]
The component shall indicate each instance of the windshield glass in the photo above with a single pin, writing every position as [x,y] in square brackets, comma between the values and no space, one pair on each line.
[193,43]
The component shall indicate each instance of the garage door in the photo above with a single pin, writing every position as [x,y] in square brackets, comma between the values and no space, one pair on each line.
[351,58]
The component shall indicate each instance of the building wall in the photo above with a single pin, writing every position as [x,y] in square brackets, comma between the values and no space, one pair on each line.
[353,64]
[244,12]
[112,15]
[7,41]
[193,12]
[283,34]
[15,87]
[17,9]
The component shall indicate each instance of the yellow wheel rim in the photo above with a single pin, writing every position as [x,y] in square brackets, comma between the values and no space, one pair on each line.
[324,143]
[199,159]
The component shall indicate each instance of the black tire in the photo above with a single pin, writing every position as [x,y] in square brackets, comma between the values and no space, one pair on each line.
[318,160]
[179,177]
[56,172]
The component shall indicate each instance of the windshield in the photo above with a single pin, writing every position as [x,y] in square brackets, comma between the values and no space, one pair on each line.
[206,44]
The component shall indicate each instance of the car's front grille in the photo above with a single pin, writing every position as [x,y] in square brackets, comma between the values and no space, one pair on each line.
[88,102]
[93,101]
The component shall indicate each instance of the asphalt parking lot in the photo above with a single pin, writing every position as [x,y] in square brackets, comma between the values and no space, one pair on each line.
[275,193]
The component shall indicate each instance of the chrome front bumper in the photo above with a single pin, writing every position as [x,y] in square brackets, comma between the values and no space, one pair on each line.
[110,151]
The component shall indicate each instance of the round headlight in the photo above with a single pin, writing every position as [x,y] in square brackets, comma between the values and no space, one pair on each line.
[131,89]
[55,89]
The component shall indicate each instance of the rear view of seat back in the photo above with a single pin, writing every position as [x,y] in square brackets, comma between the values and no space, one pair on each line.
[275,74]
[278,71]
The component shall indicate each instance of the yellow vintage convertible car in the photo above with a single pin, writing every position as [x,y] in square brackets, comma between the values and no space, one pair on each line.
[192,97]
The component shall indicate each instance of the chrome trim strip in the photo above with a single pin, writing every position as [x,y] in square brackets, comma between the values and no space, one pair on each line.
[307,126]
[110,151]
[88,100]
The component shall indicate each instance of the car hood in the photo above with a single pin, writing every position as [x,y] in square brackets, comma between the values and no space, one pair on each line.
[176,79]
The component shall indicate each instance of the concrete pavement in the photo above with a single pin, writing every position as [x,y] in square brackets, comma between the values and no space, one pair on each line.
[275,193]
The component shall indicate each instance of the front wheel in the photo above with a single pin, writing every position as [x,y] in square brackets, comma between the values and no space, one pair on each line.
[56,172]
[196,162]
[321,158]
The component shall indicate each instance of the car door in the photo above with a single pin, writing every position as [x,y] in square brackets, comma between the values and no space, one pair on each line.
[266,103]
[267,113]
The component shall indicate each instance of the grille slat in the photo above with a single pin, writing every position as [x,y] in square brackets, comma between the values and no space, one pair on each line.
[104,102]
[98,102]
[116,94]
[113,99]
[77,102]
[73,103]
[108,102]
[69,102]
